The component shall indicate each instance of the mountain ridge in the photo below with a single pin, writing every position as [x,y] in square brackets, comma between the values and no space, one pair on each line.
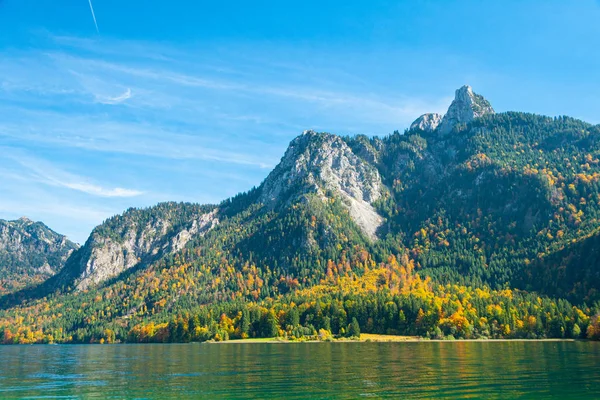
[474,198]
[315,167]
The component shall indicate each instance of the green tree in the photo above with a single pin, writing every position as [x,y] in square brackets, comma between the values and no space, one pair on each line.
[575,331]
[269,325]
[354,328]
[293,317]
[245,323]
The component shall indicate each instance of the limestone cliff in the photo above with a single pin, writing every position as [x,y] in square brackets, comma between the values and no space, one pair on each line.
[137,238]
[427,122]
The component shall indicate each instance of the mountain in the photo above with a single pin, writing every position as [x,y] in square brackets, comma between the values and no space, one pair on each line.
[443,230]
[30,252]
[318,179]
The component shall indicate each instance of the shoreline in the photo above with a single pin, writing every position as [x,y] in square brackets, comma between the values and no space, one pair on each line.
[372,338]
[275,340]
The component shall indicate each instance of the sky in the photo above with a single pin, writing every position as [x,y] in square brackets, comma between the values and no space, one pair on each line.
[197,101]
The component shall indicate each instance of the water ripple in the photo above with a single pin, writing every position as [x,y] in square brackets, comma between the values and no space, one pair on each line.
[499,370]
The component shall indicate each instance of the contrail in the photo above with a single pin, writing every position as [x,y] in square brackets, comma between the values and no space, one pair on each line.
[94,16]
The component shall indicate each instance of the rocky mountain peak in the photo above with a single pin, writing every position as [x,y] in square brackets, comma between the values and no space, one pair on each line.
[25,220]
[427,122]
[319,162]
[467,106]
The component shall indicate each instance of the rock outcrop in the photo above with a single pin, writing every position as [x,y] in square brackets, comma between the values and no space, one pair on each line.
[427,122]
[320,162]
[466,106]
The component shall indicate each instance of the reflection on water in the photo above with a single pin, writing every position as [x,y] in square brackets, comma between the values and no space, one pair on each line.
[500,370]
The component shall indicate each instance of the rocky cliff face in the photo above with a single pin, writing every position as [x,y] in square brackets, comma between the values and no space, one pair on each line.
[134,239]
[319,163]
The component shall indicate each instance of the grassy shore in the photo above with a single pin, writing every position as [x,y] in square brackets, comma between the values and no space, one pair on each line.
[376,338]
[373,337]
[257,340]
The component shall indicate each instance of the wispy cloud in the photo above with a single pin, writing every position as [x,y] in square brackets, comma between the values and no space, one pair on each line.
[48,174]
[115,100]
[192,81]
[143,139]
[23,195]
[73,218]
[368,105]
[93,189]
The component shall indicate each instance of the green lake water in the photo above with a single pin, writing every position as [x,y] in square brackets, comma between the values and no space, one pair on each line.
[448,370]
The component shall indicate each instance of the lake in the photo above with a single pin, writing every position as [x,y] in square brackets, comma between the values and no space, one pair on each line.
[448,370]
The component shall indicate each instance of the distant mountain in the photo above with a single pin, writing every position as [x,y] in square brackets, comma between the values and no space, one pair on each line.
[30,252]
[482,205]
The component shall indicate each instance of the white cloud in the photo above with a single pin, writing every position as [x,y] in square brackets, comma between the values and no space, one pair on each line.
[137,138]
[55,207]
[95,189]
[174,84]
[80,184]
[348,102]
[48,174]
[115,100]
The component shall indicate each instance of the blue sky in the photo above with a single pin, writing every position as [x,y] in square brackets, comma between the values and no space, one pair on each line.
[197,101]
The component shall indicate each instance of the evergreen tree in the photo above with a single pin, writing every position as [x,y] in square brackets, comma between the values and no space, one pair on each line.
[354,328]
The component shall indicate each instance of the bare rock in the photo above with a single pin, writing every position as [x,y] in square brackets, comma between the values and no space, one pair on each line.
[320,162]
[466,106]
[427,122]
[109,253]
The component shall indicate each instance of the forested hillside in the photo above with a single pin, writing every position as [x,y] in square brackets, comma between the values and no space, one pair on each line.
[470,225]
[484,202]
